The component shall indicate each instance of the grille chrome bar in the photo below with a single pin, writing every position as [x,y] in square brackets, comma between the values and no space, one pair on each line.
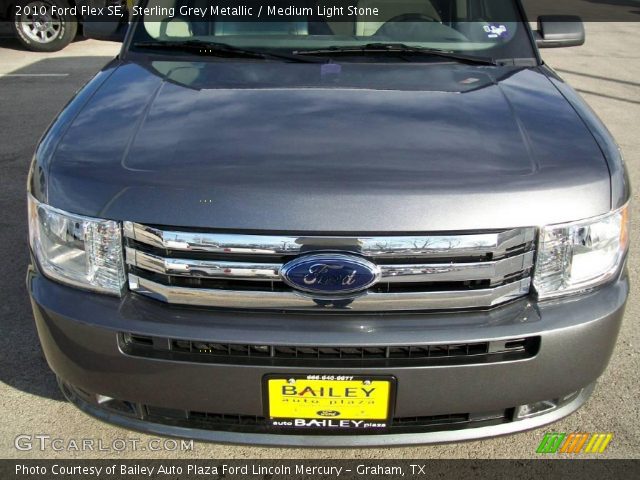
[203,268]
[369,302]
[467,245]
[211,242]
[435,272]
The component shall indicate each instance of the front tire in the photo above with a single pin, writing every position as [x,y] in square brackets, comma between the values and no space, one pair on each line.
[40,28]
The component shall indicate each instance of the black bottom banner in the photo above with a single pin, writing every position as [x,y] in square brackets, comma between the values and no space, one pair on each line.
[316,469]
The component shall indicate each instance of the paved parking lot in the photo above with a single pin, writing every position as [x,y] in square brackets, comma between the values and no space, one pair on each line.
[33,87]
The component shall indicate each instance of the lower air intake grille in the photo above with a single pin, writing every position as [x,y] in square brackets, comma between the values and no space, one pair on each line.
[260,424]
[213,352]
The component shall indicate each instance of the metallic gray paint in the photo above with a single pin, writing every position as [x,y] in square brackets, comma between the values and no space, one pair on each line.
[339,441]
[620,185]
[218,145]
[78,332]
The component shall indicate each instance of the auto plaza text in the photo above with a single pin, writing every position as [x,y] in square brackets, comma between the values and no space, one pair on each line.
[199,469]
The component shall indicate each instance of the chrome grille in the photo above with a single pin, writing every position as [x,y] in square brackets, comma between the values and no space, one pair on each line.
[418,272]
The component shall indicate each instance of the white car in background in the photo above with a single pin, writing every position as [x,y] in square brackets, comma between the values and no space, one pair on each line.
[47,25]
[39,26]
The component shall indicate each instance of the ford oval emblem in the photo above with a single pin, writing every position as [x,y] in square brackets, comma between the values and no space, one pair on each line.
[328,413]
[329,274]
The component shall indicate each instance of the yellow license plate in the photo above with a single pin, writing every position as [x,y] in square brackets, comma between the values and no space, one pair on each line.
[329,401]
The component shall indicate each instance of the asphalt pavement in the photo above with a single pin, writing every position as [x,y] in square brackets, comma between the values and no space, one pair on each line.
[34,87]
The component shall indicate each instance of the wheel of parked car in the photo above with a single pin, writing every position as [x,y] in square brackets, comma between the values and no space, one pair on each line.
[44,25]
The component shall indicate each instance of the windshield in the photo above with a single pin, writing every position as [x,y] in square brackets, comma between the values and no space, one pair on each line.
[485,28]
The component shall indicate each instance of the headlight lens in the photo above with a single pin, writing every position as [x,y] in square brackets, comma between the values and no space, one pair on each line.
[79,251]
[576,256]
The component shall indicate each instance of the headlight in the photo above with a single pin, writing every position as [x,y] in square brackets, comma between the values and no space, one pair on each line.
[576,256]
[79,251]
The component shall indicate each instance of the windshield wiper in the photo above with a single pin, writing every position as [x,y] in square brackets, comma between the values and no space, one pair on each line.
[398,49]
[216,49]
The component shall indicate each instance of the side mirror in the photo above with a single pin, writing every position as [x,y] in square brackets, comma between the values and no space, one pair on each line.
[559,31]
[102,27]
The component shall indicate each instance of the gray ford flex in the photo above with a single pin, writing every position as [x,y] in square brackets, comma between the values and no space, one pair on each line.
[391,226]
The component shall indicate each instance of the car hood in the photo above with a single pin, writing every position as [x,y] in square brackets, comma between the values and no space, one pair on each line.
[327,148]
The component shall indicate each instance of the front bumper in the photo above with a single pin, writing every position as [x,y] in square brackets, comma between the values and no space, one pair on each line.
[80,334]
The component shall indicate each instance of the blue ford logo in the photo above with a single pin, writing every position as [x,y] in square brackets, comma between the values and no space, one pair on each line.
[330,274]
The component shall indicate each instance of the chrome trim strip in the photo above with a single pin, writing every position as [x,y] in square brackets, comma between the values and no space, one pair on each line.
[211,242]
[435,272]
[457,272]
[203,268]
[462,245]
[380,302]
[387,246]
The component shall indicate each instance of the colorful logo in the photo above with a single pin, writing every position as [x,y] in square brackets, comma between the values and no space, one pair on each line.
[574,443]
